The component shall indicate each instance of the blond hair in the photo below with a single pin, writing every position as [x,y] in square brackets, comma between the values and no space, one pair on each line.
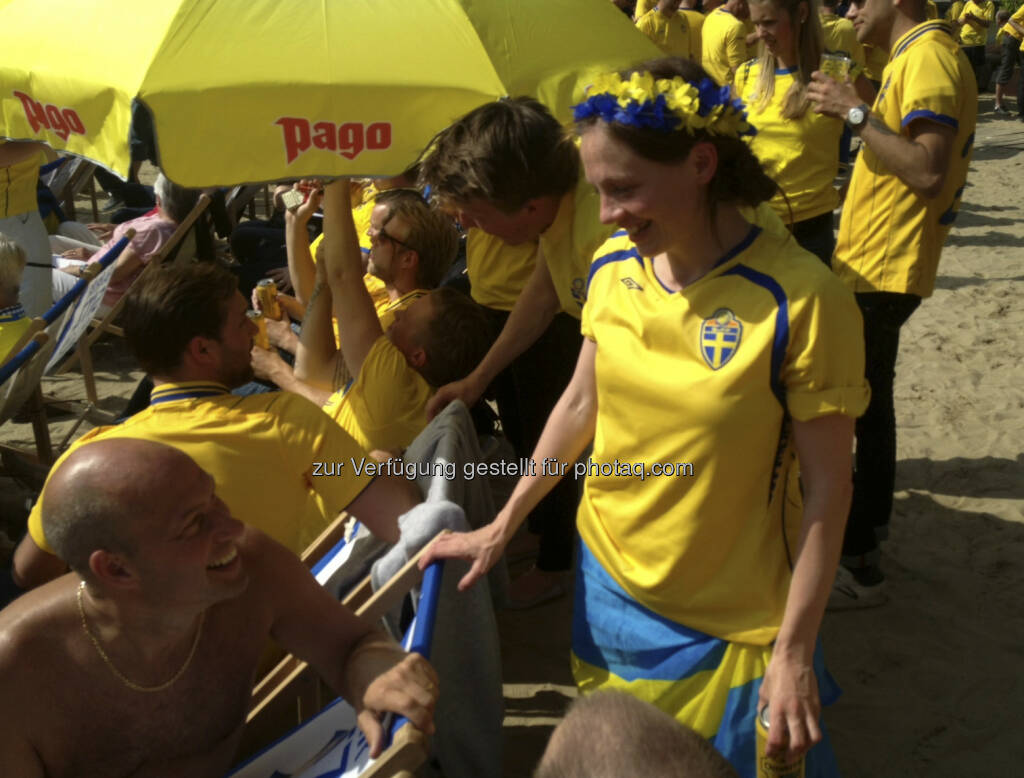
[12,264]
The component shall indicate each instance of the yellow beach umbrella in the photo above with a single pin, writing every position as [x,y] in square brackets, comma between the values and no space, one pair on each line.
[260,90]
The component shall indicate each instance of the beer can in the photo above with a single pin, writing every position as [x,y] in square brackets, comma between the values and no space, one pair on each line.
[266,293]
[260,338]
[836,66]
[773,766]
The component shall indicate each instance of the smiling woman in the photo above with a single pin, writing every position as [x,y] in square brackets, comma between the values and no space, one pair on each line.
[705,335]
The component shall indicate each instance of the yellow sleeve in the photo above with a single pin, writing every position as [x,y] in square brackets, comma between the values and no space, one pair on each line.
[736,47]
[928,88]
[824,367]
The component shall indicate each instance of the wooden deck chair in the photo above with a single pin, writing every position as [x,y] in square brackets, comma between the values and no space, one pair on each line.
[240,199]
[105,323]
[331,744]
[70,178]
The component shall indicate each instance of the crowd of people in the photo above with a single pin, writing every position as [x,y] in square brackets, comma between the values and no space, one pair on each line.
[662,283]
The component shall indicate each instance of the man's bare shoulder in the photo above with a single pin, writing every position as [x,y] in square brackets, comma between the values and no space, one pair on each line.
[39,619]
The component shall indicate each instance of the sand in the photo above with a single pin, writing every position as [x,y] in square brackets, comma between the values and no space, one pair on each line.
[932,680]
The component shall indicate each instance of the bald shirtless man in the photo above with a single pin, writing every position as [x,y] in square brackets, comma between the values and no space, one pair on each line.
[141,661]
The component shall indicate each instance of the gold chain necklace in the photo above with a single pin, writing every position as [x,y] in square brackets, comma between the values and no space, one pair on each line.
[106,659]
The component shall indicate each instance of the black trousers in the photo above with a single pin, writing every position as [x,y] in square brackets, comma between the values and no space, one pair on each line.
[875,462]
[526,391]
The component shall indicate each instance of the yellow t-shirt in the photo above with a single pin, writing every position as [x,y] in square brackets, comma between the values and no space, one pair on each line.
[386,309]
[708,376]
[262,451]
[840,38]
[1018,17]
[875,60]
[570,242]
[931,10]
[384,407]
[694,21]
[953,12]
[18,185]
[968,35]
[723,45]
[669,33]
[13,324]
[801,155]
[497,271]
[890,238]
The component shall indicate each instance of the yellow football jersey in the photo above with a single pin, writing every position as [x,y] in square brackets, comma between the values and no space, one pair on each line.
[13,324]
[386,310]
[1018,17]
[570,242]
[801,155]
[708,377]
[875,60]
[669,33]
[384,407]
[890,238]
[497,270]
[273,441]
[18,185]
[969,36]
[695,22]
[723,45]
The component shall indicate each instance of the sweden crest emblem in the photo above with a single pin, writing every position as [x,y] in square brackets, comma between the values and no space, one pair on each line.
[720,337]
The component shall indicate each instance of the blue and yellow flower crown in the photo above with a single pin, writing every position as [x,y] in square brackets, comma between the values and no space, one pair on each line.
[665,105]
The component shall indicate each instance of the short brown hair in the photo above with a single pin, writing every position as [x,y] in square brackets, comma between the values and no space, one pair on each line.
[172,305]
[432,233]
[507,153]
[457,337]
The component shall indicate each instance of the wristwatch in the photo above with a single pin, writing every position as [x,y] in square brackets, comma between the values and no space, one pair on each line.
[857,116]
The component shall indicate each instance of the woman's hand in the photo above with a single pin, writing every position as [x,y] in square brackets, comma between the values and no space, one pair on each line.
[80,253]
[790,690]
[482,548]
[467,389]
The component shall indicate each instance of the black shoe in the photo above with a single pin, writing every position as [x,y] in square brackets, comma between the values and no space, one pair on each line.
[1000,111]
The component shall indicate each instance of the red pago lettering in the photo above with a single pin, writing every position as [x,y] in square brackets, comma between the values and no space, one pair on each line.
[62,121]
[348,139]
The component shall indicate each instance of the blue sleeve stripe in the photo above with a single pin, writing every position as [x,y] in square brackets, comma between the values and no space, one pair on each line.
[781,339]
[941,118]
[615,256]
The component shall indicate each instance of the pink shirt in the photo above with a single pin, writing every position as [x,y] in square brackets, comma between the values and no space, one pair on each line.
[152,231]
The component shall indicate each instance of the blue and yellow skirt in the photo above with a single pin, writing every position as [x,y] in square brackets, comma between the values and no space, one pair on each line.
[708,684]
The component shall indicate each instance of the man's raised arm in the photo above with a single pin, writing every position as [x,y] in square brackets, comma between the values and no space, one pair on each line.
[358,324]
[360,663]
